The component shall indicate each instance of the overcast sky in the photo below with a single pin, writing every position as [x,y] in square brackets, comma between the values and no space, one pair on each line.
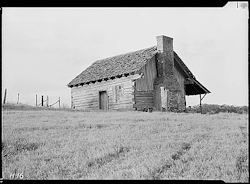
[43,49]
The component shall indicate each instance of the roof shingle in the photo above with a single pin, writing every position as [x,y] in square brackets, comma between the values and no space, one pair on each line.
[116,65]
[128,63]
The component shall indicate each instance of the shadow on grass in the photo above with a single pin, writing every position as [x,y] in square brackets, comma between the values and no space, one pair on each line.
[156,174]
[98,162]
[10,149]
[242,167]
[92,126]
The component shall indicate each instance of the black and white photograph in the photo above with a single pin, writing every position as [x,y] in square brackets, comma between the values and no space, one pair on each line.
[125,93]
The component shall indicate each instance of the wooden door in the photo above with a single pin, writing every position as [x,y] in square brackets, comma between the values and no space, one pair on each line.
[103,100]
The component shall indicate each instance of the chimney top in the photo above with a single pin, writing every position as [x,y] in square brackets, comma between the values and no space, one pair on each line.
[165,55]
[164,43]
[163,36]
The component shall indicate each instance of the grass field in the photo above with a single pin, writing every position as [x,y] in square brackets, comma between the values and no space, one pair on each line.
[60,144]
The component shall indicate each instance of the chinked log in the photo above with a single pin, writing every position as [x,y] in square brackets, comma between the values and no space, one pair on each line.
[142,102]
[144,96]
[144,99]
[143,105]
[140,96]
[141,92]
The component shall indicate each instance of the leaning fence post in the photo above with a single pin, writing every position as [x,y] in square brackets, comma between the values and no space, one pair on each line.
[42,100]
[59,102]
[4,98]
[47,101]
[17,98]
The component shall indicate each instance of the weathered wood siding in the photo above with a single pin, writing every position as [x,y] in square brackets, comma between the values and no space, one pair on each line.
[144,94]
[149,72]
[180,79]
[143,99]
[181,96]
[86,97]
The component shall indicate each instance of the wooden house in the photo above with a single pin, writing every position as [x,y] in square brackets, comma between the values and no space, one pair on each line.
[152,78]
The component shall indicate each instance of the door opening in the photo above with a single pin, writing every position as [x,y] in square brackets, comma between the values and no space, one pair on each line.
[103,100]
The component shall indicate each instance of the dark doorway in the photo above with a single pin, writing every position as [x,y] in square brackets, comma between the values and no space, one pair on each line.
[103,100]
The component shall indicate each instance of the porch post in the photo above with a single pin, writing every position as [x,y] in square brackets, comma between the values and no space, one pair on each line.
[200,104]
[201,100]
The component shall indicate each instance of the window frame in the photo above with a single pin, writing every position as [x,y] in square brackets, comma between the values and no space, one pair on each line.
[119,93]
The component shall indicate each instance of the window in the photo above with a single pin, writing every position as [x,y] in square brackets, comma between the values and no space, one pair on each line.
[118,93]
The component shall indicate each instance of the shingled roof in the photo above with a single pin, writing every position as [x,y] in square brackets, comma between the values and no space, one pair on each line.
[114,66]
[129,63]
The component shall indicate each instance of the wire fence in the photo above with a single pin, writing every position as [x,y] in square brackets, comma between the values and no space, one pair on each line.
[47,102]
[37,100]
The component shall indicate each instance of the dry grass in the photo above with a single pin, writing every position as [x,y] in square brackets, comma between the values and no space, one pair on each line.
[45,144]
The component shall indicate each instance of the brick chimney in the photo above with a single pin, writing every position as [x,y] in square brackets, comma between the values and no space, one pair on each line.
[165,55]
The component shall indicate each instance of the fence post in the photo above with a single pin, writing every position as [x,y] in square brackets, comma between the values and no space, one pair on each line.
[42,100]
[47,101]
[17,98]
[4,98]
[36,99]
[59,102]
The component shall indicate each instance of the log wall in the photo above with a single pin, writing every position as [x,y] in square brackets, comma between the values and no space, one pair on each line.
[143,100]
[144,87]
[86,97]
[180,79]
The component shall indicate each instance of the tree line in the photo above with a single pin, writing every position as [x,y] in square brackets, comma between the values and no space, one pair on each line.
[215,109]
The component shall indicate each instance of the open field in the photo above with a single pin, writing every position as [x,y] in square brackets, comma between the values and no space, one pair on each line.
[57,144]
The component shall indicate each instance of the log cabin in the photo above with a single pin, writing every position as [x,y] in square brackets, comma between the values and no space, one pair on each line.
[153,78]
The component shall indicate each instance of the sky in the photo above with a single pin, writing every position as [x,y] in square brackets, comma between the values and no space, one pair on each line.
[43,49]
